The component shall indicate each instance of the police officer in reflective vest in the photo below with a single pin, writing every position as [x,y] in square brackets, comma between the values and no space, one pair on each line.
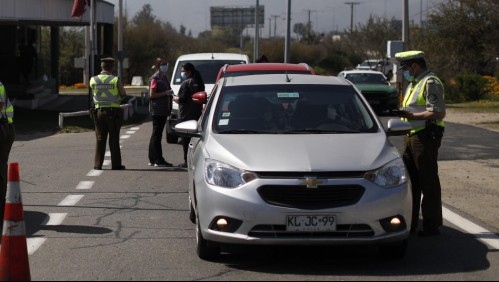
[107,94]
[424,108]
[7,136]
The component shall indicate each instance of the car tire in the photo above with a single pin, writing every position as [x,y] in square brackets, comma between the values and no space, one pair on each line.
[206,250]
[171,138]
[394,250]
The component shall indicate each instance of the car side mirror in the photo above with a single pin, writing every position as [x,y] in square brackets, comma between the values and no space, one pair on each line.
[199,97]
[397,127]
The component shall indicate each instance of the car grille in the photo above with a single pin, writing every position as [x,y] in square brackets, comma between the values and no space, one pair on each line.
[301,197]
[342,231]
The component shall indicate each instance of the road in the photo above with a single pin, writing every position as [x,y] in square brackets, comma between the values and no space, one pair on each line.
[133,224]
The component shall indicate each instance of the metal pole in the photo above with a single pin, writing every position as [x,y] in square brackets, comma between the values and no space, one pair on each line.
[287,44]
[92,48]
[405,25]
[120,41]
[257,31]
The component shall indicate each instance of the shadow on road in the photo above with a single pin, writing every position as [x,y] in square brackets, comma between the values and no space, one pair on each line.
[34,221]
[452,252]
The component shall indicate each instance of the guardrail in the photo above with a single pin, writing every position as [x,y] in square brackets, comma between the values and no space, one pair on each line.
[128,110]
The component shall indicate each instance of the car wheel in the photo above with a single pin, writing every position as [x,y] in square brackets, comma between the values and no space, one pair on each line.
[206,250]
[171,138]
[192,213]
[394,250]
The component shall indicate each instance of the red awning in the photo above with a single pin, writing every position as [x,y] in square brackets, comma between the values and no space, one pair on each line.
[79,8]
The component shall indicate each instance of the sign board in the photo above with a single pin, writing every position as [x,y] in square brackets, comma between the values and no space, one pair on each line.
[236,16]
[394,47]
[79,63]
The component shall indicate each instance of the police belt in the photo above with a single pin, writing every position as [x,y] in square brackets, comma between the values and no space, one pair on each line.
[424,131]
[108,109]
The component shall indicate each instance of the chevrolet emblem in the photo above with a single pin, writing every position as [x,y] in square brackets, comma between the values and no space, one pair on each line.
[311,182]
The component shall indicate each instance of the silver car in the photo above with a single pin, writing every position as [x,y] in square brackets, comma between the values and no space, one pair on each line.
[295,159]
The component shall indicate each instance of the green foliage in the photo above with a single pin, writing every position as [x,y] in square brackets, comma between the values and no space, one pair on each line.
[332,64]
[466,87]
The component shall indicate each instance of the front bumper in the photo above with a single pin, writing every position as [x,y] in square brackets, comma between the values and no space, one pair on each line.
[259,222]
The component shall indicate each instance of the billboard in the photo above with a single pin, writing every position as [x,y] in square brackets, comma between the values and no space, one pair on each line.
[236,16]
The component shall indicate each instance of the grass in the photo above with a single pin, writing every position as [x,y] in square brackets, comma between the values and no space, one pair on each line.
[486,106]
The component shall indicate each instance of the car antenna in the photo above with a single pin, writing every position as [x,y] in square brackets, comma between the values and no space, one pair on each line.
[287,76]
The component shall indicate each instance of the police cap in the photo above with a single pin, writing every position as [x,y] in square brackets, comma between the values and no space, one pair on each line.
[108,62]
[408,57]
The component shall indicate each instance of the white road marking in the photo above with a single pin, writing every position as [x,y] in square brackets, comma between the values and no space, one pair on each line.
[107,162]
[108,154]
[71,200]
[124,136]
[130,132]
[54,219]
[135,128]
[94,172]
[83,185]
[34,244]
[482,234]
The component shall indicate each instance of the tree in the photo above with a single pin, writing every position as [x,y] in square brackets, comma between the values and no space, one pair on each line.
[461,36]
[369,41]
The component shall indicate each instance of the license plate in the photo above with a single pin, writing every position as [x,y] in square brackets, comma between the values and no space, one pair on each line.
[310,223]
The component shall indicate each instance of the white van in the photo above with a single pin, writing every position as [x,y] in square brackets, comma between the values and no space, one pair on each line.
[208,64]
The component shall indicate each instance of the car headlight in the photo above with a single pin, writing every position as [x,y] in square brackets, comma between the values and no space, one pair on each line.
[226,176]
[390,175]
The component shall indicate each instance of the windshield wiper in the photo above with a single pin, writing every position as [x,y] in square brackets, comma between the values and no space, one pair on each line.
[244,131]
[318,131]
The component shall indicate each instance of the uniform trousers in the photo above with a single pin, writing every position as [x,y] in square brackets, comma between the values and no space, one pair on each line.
[421,159]
[108,122]
[155,149]
[7,138]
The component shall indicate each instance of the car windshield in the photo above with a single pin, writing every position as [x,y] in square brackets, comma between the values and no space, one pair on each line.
[366,78]
[296,109]
[208,68]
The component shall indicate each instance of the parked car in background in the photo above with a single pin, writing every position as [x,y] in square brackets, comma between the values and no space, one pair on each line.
[318,171]
[376,88]
[384,66]
[264,68]
[208,64]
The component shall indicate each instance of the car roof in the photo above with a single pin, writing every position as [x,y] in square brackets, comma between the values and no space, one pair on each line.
[360,71]
[213,56]
[280,79]
[268,67]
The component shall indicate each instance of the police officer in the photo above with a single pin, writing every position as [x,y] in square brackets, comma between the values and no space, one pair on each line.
[107,95]
[424,108]
[7,136]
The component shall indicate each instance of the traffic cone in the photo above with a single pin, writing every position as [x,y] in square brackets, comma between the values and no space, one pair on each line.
[14,264]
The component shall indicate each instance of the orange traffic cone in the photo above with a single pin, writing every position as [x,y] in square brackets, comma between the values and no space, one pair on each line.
[14,264]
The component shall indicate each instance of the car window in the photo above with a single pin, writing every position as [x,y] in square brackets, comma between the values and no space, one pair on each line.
[241,73]
[366,78]
[208,68]
[292,109]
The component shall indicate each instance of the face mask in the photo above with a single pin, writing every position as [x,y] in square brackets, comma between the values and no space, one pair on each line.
[408,76]
[183,75]
[163,68]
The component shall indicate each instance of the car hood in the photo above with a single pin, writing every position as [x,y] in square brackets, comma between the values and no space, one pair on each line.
[376,88]
[308,152]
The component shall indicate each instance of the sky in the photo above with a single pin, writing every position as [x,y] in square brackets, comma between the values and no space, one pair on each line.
[325,15]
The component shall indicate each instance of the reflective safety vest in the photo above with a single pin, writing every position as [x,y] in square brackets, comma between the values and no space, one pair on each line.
[8,109]
[415,102]
[105,91]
